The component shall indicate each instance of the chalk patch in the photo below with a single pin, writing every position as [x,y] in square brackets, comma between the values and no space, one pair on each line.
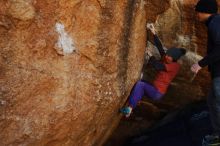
[3,102]
[184,40]
[65,43]
[193,57]
[142,3]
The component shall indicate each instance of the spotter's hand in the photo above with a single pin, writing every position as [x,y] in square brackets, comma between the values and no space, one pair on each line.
[195,68]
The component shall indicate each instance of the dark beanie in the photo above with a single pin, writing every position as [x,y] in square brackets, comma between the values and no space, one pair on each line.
[207,6]
[176,53]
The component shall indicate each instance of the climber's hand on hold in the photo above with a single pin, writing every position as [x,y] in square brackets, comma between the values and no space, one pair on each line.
[149,54]
[151,27]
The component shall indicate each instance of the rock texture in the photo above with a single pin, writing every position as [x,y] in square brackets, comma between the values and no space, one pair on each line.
[67,66]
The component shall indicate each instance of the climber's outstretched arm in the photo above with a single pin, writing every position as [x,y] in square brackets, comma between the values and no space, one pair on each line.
[159,45]
[157,41]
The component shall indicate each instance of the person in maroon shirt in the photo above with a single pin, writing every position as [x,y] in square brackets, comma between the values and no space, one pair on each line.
[167,68]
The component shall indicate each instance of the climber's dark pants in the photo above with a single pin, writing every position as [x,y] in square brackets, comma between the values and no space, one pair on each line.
[214,105]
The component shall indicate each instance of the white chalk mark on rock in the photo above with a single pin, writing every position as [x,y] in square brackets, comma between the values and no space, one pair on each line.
[65,44]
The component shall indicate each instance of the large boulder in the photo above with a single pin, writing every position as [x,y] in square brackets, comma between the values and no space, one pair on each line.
[66,67]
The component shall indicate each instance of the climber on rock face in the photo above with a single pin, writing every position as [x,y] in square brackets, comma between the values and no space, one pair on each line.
[206,12]
[167,68]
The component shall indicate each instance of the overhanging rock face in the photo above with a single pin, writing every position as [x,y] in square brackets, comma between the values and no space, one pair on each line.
[66,67]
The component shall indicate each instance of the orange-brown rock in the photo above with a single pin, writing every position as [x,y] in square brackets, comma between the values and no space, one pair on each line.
[66,67]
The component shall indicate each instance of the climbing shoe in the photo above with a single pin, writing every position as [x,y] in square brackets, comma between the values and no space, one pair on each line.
[126,111]
[211,140]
